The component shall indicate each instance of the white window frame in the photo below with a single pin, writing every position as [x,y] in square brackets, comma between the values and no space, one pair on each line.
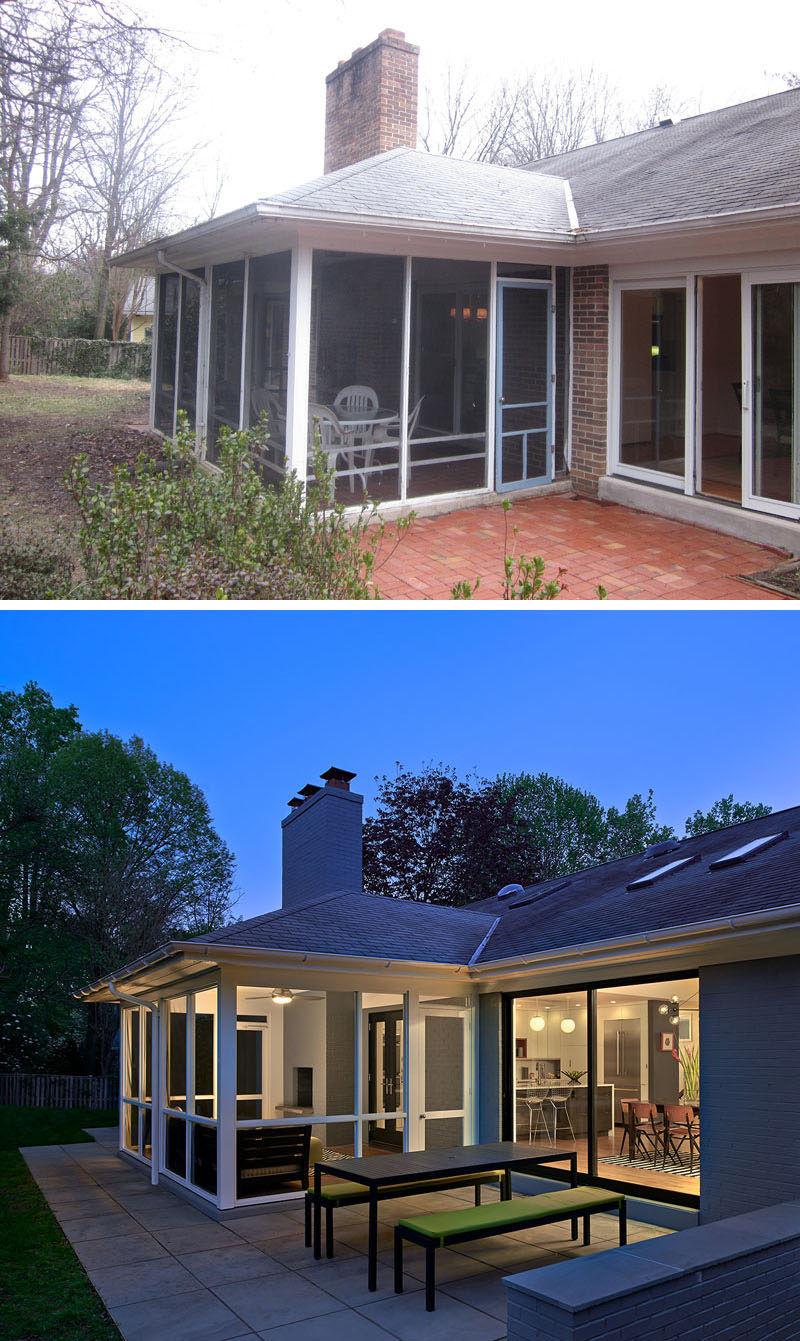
[189,1116]
[677,483]
[751,500]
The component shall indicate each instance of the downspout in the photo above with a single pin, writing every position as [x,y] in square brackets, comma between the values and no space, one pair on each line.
[162,259]
[155,1083]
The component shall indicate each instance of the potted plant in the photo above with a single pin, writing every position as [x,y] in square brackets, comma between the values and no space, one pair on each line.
[690,1066]
[574,1076]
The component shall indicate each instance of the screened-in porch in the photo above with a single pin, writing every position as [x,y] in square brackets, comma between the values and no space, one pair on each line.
[409,377]
[235,1091]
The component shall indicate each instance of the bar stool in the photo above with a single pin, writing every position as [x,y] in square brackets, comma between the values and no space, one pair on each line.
[559,1100]
[535,1104]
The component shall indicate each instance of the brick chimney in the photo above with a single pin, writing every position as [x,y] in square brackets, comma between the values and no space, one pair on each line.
[322,840]
[371,101]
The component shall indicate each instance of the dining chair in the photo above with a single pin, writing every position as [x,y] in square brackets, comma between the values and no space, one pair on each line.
[646,1131]
[681,1124]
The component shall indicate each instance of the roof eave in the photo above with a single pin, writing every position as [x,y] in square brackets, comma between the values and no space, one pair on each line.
[692,936]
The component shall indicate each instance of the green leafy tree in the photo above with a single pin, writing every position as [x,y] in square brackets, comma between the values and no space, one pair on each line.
[723,813]
[438,839]
[105,851]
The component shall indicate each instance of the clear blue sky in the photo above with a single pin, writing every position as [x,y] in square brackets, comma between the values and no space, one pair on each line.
[252,705]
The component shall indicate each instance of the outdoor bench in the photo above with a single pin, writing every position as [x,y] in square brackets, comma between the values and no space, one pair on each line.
[477,1222]
[357,1194]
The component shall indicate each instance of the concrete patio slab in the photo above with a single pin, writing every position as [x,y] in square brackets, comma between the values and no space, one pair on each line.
[342,1326]
[277,1299]
[195,1279]
[218,1266]
[404,1316]
[187,1317]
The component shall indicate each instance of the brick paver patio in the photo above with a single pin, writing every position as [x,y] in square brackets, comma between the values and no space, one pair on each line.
[634,555]
[168,1272]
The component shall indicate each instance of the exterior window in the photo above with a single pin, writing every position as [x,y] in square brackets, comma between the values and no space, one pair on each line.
[551,1074]
[225,362]
[189,331]
[653,380]
[295,1065]
[645,1069]
[190,1129]
[137,1039]
[268,357]
[648,1051]
[164,371]
[776,382]
[447,393]
[356,366]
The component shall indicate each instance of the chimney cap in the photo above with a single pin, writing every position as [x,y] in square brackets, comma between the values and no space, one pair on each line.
[295,802]
[337,777]
[309,790]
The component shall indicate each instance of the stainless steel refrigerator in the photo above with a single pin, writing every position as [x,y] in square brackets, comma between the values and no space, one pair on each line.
[622,1060]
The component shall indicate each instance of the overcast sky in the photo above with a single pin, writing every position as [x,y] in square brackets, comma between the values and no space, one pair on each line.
[254,704]
[259,69]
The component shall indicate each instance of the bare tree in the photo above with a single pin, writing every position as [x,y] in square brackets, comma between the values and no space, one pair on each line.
[45,86]
[541,116]
[464,124]
[129,166]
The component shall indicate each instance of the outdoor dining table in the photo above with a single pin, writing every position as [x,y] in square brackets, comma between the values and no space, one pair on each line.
[362,424]
[421,1166]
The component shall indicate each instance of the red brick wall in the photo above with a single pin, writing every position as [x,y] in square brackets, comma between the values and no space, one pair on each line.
[589,377]
[371,101]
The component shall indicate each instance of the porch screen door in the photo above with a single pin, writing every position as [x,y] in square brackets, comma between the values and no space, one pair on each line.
[444,1078]
[525,375]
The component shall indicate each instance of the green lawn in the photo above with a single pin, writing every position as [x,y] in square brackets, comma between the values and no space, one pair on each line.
[46,1293]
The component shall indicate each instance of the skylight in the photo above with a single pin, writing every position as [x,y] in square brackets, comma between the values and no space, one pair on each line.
[535,895]
[662,870]
[748,850]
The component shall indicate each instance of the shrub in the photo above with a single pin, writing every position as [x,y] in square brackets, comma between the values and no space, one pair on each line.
[171,529]
[32,567]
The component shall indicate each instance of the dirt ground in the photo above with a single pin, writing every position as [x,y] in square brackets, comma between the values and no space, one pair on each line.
[45,422]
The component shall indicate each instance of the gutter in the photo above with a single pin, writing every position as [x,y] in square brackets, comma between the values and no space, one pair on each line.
[688,936]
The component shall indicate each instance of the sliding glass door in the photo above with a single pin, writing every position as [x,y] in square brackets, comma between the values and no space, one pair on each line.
[773,403]
[652,387]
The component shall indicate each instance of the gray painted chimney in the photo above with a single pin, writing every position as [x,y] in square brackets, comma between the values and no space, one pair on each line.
[322,840]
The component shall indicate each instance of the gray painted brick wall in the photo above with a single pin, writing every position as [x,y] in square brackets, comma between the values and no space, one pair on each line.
[748,1085]
[737,1279]
[322,847]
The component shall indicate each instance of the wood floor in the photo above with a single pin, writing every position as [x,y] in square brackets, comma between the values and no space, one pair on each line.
[655,1178]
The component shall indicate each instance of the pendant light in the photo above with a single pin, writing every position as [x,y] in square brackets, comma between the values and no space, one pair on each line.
[537,1022]
[568,1024]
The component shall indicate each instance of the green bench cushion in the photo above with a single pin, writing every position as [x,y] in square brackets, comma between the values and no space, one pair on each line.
[499,1214]
[334,1194]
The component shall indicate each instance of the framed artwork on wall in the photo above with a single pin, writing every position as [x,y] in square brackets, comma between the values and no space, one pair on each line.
[667,1042]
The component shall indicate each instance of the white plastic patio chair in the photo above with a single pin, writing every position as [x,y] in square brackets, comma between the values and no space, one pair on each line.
[333,440]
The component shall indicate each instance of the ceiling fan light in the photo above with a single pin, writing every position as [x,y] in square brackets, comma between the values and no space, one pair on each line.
[282,996]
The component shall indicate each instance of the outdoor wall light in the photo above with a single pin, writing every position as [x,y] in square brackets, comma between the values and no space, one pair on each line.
[282,996]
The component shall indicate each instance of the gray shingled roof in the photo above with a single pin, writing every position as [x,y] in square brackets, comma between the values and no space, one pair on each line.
[740,158]
[363,925]
[597,905]
[427,188]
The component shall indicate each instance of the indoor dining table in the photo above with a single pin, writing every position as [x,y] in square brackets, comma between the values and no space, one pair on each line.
[421,1166]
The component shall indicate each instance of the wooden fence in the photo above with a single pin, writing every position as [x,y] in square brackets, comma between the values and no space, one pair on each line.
[27,1091]
[37,356]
